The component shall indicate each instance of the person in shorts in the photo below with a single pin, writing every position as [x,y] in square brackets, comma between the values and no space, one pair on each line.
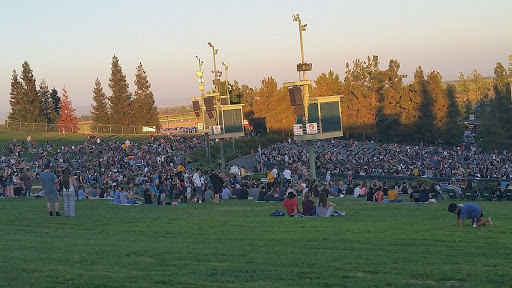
[48,181]
[469,211]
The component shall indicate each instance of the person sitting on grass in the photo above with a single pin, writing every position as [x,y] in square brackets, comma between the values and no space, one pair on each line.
[208,194]
[469,211]
[93,193]
[425,195]
[125,198]
[290,204]
[148,195]
[308,205]
[415,194]
[379,195]
[324,208]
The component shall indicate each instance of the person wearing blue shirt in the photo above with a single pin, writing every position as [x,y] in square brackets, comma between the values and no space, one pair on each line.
[469,211]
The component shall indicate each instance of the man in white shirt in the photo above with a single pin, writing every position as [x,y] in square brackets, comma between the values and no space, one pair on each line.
[276,176]
[357,190]
[198,185]
[287,174]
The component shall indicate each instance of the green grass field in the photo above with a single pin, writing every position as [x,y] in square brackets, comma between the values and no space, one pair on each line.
[237,244]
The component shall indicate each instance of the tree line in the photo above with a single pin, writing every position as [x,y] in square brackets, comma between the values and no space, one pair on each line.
[377,104]
[33,104]
[123,107]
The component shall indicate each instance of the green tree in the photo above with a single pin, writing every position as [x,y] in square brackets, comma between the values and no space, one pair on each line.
[327,85]
[274,105]
[454,127]
[54,96]
[495,130]
[49,111]
[424,124]
[144,109]
[121,98]
[67,121]
[437,93]
[36,109]
[390,111]
[19,105]
[100,111]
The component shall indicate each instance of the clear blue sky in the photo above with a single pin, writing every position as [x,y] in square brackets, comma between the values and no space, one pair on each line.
[72,42]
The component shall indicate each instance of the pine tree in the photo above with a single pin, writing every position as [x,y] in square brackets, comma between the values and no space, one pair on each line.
[19,107]
[49,111]
[100,113]
[390,111]
[54,96]
[67,121]
[327,85]
[120,99]
[143,105]
[35,109]
[424,125]
[439,98]
[495,130]
[454,128]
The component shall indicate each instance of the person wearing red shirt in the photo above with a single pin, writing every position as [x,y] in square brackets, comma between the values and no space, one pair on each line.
[291,204]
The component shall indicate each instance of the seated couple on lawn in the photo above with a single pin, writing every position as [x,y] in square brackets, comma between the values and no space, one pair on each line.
[323,208]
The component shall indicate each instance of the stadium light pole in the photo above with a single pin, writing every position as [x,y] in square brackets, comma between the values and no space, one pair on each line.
[200,75]
[216,74]
[201,87]
[227,93]
[311,144]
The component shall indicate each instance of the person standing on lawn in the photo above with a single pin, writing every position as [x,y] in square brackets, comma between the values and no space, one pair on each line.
[48,181]
[469,211]
[68,192]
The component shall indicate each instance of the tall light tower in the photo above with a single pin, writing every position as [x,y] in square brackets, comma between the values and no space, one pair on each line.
[216,82]
[216,73]
[200,75]
[303,67]
[227,83]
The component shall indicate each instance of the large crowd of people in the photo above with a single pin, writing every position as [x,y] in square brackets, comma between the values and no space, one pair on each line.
[466,160]
[156,172]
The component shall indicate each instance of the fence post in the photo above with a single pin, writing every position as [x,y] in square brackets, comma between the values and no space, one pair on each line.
[110,127]
[33,126]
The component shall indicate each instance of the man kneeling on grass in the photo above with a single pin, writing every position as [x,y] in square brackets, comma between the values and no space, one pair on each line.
[469,211]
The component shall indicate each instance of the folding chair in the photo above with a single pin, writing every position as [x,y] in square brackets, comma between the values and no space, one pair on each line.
[468,194]
[486,194]
[452,194]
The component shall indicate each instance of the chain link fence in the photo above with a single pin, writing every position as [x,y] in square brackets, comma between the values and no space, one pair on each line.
[81,128]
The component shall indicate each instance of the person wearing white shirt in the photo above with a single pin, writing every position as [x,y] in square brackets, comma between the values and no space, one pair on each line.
[357,190]
[198,185]
[287,174]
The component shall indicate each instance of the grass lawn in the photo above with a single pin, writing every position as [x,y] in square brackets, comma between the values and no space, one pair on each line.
[237,244]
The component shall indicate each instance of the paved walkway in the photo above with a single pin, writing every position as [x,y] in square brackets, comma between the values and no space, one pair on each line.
[248,161]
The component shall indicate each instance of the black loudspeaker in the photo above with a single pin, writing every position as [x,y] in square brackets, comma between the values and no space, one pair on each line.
[198,114]
[208,103]
[295,95]
[210,115]
[196,106]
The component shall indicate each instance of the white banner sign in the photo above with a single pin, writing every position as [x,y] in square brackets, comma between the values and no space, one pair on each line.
[216,129]
[311,128]
[297,129]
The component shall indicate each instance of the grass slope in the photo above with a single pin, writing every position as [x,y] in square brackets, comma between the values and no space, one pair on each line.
[237,244]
